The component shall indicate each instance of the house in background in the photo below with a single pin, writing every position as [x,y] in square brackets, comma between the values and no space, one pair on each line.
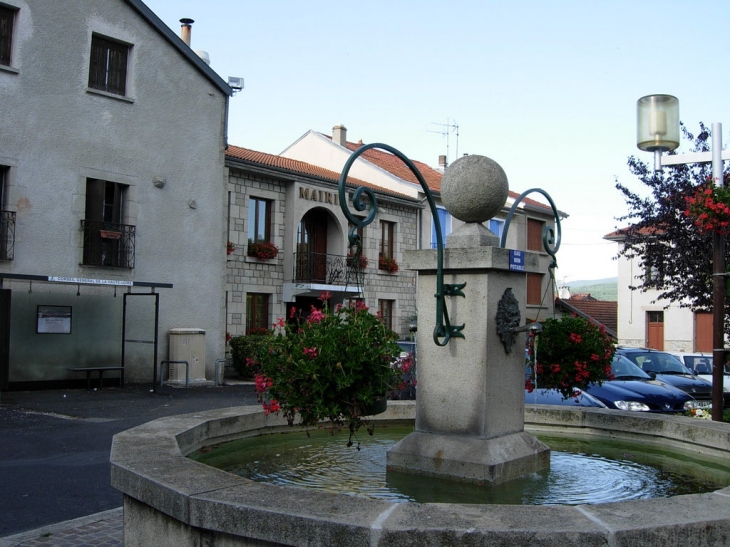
[386,170]
[646,321]
[113,192]
[295,205]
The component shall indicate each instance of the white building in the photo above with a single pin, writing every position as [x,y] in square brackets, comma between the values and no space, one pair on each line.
[646,321]
[113,192]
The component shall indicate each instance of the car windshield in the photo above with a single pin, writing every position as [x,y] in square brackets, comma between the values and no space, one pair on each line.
[658,362]
[623,369]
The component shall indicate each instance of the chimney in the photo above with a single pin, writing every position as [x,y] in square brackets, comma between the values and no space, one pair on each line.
[339,134]
[186,29]
[442,162]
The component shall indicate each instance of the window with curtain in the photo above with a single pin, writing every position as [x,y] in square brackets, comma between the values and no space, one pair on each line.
[259,220]
[257,311]
[444,220]
[7,20]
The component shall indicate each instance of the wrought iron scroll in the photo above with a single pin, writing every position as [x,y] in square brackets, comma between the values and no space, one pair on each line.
[363,199]
[550,243]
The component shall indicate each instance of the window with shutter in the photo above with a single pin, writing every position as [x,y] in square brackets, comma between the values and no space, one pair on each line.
[7,18]
[108,65]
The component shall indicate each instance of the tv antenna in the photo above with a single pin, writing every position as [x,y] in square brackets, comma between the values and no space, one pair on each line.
[451,126]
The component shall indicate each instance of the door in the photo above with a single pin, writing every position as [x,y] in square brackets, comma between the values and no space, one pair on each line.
[312,247]
[655,330]
[703,331]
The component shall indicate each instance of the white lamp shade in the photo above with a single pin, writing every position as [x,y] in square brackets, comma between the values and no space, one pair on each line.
[657,123]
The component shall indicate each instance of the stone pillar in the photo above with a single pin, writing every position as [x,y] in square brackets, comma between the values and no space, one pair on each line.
[470,399]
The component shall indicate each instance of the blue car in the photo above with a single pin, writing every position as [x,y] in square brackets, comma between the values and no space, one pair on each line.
[629,389]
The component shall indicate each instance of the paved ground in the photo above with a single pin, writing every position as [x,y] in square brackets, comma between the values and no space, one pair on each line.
[54,457]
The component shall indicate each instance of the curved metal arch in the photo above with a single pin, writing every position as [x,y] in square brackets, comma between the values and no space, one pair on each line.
[549,241]
[443,329]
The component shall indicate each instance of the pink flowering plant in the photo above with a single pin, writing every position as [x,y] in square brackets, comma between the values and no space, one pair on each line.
[329,365]
[569,354]
[709,208]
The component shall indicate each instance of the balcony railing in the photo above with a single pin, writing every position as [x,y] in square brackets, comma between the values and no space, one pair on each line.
[7,235]
[108,244]
[325,268]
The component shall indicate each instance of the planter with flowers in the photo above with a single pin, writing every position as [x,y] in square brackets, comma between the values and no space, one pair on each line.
[709,208]
[570,353]
[230,247]
[359,263]
[263,250]
[329,365]
[387,264]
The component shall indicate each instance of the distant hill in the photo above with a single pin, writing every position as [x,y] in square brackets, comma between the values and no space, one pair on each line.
[600,289]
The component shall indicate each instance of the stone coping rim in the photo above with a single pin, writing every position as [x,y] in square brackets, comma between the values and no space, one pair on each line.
[206,498]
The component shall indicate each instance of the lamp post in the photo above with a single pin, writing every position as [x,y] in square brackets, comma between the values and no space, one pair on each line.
[657,130]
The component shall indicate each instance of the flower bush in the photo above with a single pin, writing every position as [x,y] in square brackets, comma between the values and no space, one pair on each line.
[247,347]
[263,250]
[327,366]
[709,207]
[570,353]
[387,264]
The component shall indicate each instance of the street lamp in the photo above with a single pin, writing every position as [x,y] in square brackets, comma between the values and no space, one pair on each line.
[658,131]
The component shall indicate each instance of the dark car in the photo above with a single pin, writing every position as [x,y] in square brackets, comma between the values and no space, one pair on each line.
[629,389]
[669,369]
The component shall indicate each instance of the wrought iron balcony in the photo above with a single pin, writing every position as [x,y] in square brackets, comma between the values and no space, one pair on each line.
[108,244]
[326,268]
[7,235]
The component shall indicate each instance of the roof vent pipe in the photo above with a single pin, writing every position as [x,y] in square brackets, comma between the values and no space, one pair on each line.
[186,30]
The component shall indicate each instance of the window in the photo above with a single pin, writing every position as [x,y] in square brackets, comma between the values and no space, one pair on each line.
[387,239]
[108,66]
[259,220]
[534,289]
[7,19]
[444,219]
[534,234]
[496,226]
[257,311]
[107,242]
[385,311]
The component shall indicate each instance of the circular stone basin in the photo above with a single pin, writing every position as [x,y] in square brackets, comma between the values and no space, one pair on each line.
[172,501]
[581,471]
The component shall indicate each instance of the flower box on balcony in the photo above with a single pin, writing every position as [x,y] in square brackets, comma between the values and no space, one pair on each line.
[387,264]
[110,234]
[263,250]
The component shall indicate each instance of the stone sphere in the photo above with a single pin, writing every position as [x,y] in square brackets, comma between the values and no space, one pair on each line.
[474,188]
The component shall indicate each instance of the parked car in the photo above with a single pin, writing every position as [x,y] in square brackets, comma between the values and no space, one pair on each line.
[701,365]
[629,389]
[669,369]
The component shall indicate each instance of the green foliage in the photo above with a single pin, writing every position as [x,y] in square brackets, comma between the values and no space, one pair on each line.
[328,366]
[247,347]
[570,353]
[674,253]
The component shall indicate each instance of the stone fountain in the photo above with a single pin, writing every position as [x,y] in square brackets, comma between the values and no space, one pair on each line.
[470,406]
[469,425]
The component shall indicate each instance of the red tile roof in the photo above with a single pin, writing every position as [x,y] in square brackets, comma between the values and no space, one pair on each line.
[296,166]
[393,165]
[600,311]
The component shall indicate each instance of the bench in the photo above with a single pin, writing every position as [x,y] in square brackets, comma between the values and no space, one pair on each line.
[100,370]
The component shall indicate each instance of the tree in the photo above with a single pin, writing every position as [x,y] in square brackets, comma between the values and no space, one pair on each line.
[675,255]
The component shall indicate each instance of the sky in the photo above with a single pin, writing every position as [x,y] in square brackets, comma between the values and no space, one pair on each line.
[547,89]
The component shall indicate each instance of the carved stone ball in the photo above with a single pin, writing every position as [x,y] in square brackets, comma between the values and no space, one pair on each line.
[474,188]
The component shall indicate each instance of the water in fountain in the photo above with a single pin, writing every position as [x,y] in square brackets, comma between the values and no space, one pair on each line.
[582,471]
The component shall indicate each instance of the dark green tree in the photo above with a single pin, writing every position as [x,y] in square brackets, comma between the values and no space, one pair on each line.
[674,254]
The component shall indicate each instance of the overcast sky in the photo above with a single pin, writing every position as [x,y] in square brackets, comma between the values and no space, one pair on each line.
[547,89]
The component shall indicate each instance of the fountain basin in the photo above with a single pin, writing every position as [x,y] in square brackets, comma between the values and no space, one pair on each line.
[170,500]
